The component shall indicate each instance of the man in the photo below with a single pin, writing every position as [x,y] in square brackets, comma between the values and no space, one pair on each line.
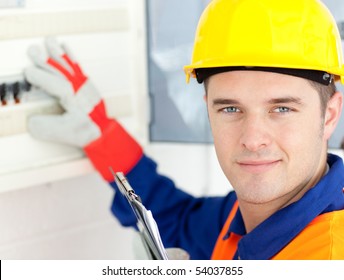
[269,69]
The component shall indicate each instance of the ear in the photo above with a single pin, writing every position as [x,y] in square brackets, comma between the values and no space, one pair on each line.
[332,114]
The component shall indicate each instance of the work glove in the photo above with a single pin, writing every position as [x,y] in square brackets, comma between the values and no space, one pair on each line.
[84,123]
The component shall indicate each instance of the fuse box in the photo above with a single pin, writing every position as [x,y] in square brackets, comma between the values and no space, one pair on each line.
[19,100]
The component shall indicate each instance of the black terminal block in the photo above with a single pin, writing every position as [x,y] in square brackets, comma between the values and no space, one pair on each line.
[3,92]
[13,89]
[16,91]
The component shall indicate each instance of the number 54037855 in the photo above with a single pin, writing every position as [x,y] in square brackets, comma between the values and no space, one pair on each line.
[219,270]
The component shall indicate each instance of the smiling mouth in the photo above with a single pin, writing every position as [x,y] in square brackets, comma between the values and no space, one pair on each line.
[258,166]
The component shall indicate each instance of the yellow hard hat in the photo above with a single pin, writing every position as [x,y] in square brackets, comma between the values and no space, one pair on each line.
[293,34]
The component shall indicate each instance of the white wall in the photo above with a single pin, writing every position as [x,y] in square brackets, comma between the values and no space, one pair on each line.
[71,219]
[62,220]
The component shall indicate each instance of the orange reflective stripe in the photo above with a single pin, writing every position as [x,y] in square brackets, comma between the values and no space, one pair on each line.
[225,249]
[322,239]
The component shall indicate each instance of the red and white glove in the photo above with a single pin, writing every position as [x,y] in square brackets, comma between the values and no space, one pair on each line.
[84,123]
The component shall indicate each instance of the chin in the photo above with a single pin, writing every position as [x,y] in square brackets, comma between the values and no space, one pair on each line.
[258,194]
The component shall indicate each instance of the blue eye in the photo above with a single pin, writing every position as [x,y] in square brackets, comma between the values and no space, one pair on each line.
[230,110]
[282,110]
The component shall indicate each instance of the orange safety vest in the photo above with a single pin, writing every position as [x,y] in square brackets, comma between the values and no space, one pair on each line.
[321,239]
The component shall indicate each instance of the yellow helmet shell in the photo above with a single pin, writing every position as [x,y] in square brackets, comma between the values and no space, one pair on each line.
[299,34]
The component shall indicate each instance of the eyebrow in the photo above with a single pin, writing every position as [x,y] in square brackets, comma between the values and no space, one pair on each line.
[295,100]
[225,101]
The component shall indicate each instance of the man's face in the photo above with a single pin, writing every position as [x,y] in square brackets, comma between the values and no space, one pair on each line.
[268,134]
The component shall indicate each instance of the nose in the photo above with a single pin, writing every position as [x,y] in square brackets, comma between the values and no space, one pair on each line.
[255,134]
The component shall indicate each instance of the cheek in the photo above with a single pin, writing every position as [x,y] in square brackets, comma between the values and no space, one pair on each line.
[226,142]
[219,133]
[223,132]
[300,137]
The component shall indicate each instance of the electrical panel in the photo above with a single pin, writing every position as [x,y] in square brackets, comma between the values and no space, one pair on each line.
[19,100]
[107,40]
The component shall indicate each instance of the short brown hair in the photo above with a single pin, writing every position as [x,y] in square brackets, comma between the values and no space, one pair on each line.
[325,93]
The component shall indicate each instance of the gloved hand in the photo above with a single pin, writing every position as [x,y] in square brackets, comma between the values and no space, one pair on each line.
[84,123]
[61,77]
